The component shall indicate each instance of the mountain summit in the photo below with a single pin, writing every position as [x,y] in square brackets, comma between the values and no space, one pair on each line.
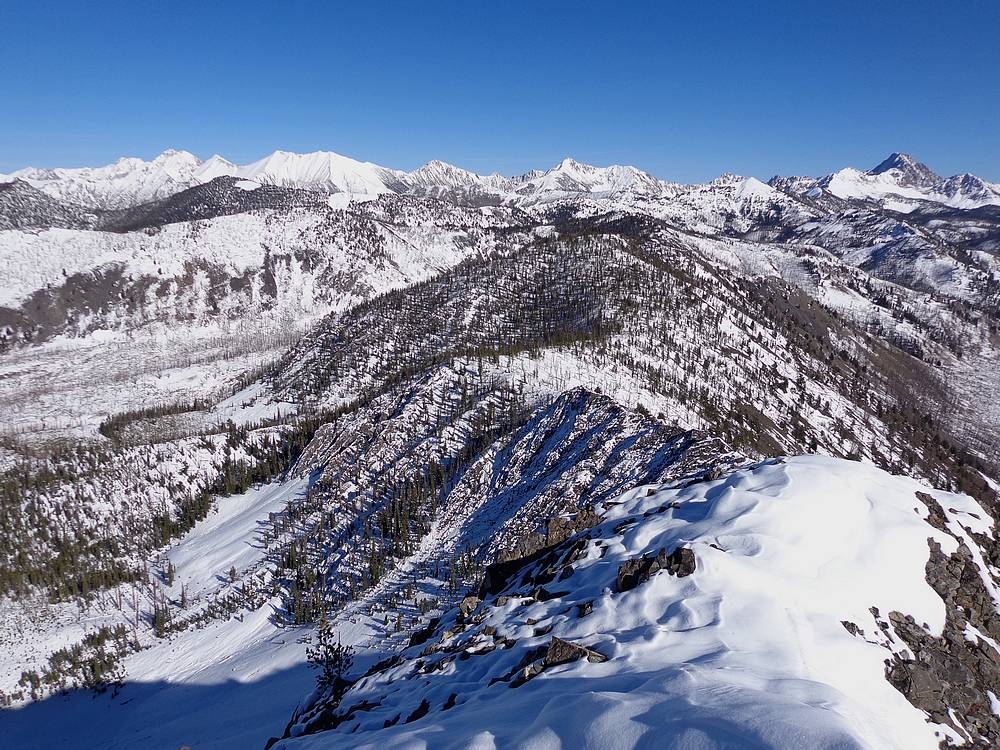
[905,170]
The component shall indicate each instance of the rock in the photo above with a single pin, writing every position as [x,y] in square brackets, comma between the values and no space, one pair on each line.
[419,712]
[681,562]
[936,516]
[852,628]
[542,594]
[950,675]
[526,673]
[422,635]
[563,652]
[532,548]
[560,529]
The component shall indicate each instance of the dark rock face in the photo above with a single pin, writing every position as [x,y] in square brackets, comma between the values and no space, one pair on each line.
[953,671]
[563,652]
[419,712]
[681,562]
[424,634]
[534,548]
[560,529]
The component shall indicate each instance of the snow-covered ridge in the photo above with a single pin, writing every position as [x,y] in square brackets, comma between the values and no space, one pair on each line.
[131,181]
[779,637]
[899,182]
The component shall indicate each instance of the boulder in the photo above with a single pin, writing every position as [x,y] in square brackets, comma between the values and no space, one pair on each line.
[563,652]
[681,562]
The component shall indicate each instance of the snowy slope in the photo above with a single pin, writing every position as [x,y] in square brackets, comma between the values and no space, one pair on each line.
[751,650]
[127,182]
[194,688]
[318,170]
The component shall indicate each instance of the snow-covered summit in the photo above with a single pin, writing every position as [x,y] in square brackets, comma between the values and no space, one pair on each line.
[571,177]
[323,170]
[128,181]
[131,181]
[905,170]
[436,173]
[899,182]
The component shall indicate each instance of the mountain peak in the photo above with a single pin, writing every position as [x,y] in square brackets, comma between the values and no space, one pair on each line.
[568,164]
[906,170]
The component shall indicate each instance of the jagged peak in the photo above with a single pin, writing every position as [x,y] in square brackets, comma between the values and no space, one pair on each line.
[911,171]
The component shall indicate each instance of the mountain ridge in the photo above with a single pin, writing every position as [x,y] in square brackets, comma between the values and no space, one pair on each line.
[130,181]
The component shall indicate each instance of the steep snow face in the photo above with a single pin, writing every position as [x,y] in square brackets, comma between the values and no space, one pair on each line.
[323,170]
[127,182]
[753,649]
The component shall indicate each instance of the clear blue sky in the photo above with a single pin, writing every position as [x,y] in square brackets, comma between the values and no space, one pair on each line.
[686,90]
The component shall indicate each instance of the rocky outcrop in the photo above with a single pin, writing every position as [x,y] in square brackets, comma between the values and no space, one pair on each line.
[955,678]
[681,562]
[564,652]
[535,547]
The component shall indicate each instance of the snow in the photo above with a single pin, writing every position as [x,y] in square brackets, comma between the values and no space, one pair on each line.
[128,181]
[852,183]
[749,651]
[994,702]
[227,685]
[320,169]
[343,200]
[227,538]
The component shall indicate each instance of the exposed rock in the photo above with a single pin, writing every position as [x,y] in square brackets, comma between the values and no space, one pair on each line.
[560,529]
[680,562]
[542,594]
[936,516]
[419,712]
[952,672]
[563,652]
[424,634]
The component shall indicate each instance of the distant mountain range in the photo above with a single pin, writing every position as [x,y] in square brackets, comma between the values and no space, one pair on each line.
[899,181]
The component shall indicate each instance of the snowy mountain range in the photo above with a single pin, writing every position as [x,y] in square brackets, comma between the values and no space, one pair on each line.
[899,180]
[314,453]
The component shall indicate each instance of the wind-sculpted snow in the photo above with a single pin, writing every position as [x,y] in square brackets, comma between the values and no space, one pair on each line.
[751,649]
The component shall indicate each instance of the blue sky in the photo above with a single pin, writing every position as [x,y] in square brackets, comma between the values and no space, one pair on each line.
[685,90]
